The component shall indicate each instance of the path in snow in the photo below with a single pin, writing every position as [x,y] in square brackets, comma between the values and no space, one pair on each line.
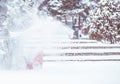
[61,65]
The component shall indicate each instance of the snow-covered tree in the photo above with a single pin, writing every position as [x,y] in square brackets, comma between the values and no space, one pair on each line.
[84,11]
[19,12]
[54,7]
[105,21]
[5,51]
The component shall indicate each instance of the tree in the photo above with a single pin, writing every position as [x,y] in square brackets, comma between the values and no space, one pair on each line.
[78,9]
[5,48]
[105,21]
[19,12]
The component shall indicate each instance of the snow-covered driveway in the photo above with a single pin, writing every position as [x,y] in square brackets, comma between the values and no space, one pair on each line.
[66,73]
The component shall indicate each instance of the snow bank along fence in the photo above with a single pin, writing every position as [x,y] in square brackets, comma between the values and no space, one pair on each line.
[80,50]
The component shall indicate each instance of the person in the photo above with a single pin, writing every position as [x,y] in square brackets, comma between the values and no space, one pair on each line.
[74,23]
[76,33]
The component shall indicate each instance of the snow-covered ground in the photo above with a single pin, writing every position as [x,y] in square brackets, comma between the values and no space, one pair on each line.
[66,73]
[69,72]
[62,72]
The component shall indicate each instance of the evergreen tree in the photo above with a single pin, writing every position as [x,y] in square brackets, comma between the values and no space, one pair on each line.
[59,7]
[105,21]
[54,7]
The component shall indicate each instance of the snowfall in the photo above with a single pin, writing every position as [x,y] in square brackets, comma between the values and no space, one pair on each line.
[65,72]
[41,37]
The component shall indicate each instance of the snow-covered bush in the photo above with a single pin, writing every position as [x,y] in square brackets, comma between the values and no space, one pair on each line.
[105,21]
